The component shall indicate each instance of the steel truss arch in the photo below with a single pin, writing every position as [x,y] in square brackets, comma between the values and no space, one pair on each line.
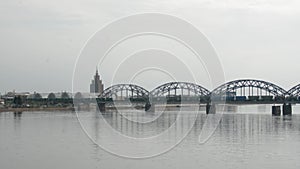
[294,91]
[233,86]
[125,91]
[173,86]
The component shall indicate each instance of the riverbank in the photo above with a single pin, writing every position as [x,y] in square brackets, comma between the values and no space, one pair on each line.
[37,109]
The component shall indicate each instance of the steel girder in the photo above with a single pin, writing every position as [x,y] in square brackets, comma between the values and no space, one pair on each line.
[295,91]
[246,83]
[171,86]
[130,90]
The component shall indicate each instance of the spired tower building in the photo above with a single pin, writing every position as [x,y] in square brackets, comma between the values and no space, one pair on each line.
[96,85]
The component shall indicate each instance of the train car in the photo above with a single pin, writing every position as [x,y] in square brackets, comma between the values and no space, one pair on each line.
[137,99]
[158,99]
[240,98]
[229,98]
[253,98]
[281,98]
[173,99]
[266,98]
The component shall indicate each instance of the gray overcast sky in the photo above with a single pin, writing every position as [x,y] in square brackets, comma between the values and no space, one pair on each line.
[40,39]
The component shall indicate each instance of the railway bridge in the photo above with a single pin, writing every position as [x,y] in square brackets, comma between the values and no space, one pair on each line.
[237,92]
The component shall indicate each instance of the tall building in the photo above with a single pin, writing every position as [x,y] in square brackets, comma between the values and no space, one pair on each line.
[96,85]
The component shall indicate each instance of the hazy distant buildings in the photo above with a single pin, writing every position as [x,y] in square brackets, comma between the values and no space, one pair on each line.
[96,85]
[11,95]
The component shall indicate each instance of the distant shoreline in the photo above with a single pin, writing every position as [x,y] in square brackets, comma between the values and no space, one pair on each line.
[36,109]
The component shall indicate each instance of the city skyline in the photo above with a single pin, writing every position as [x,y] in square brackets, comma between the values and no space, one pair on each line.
[256,40]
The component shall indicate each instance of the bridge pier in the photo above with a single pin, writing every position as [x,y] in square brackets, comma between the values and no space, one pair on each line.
[210,108]
[150,107]
[287,109]
[101,106]
[276,110]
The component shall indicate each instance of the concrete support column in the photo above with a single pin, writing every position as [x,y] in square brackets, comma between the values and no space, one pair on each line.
[101,106]
[150,107]
[276,111]
[210,108]
[287,109]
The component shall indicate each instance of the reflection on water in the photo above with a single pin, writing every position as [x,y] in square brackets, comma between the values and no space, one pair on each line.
[17,115]
[56,140]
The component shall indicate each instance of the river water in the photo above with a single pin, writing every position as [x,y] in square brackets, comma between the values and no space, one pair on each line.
[247,138]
